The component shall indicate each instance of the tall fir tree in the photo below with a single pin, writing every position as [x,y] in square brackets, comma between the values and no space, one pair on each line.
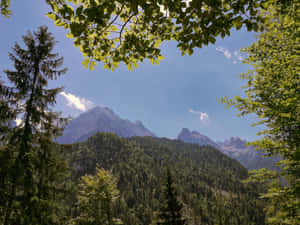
[6,113]
[171,208]
[32,165]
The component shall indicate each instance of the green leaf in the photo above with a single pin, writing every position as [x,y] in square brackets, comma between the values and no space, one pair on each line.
[76,2]
[69,35]
[59,23]
[152,61]
[190,51]
[113,28]
[92,65]
[157,43]
[51,15]
[86,62]
[160,57]
[76,29]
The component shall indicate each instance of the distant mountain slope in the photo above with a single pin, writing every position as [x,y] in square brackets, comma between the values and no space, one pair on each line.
[101,119]
[234,147]
[208,182]
[194,137]
[237,148]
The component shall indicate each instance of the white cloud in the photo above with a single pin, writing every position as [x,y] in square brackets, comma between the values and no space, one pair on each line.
[235,57]
[225,51]
[202,115]
[238,55]
[76,102]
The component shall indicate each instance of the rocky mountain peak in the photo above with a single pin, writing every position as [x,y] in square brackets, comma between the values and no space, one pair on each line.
[195,138]
[184,132]
[234,147]
[101,119]
[236,142]
[139,123]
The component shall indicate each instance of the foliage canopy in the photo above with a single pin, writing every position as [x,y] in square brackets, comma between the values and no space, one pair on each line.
[96,197]
[130,31]
[273,94]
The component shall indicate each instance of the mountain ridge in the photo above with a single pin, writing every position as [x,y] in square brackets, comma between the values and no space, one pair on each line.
[234,147]
[101,119]
[104,119]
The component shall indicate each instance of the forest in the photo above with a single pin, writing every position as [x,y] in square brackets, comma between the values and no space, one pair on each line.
[207,183]
[147,180]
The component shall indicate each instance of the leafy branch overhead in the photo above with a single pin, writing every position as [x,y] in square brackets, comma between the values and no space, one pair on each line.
[4,8]
[130,31]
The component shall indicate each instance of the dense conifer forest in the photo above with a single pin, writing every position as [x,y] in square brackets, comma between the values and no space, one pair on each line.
[208,183]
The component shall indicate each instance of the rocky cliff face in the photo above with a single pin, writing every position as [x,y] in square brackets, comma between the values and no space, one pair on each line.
[237,148]
[194,137]
[101,119]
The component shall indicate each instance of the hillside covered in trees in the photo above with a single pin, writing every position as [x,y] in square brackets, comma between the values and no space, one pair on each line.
[209,184]
[110,180]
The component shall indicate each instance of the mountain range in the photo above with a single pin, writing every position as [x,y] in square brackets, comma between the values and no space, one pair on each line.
[234,147]
[103,119]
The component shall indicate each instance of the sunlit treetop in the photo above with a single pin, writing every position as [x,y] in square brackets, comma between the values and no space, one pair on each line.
[130,31]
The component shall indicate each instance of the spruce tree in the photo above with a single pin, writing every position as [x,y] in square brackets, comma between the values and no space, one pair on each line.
[170,209]
[6,113]
[32,165]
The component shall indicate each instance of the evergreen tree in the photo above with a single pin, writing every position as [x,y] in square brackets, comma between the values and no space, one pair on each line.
[96,199]
[6,113]
[32,165]
[170,209]
[137,162]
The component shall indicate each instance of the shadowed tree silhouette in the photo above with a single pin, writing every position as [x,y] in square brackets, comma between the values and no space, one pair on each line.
[170,209]
[32,165]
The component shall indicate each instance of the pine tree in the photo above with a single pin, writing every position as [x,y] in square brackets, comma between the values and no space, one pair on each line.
[32,165]
[6,113]
[170,209]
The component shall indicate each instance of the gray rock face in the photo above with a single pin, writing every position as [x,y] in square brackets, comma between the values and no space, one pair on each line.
[101,119]
[234,147]
[194,137]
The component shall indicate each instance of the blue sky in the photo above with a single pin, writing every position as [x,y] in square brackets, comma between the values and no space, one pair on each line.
[180,92]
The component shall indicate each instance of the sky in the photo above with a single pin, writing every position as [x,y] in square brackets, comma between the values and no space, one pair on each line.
[181,92]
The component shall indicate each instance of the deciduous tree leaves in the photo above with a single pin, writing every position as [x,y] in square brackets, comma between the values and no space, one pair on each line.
[130,31]
[273,94]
